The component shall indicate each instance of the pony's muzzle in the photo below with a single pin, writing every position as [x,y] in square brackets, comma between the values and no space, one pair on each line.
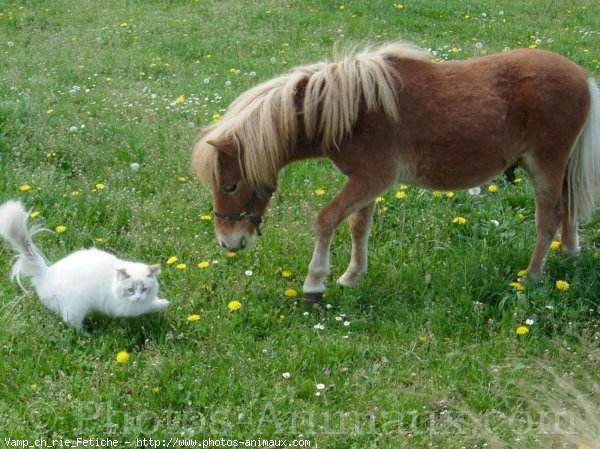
[233,244]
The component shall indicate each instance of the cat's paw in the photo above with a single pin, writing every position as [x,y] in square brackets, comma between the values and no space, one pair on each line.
[160,304]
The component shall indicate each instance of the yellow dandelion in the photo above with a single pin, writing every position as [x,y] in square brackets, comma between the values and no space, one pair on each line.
[232,70]
[171,260]
[518,180]
[459,220]
[234,305]
[522,330]
[555,245]
[155,389]
[290,293]
[517,286]
[180,99]
[437,194]
[520,216]
[493,188]
[423,338]
[216,116]
[320,192]
[33,387]
[286,274]
[122,357]
[100,186]
[562,285]
[181,266]
[450,194]
[205,217]
[60,229]
[100,239]
[342,7]
[379,199]
[34,214]
[124,25]
[203,264]
[522,273]
[403,187]
[231,254]
[181,178]
[281,317]
[193,317]
[401,195]
[75,193]
[50,111]
[25,188]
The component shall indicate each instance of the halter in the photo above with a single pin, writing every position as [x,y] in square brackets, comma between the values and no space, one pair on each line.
[247,215]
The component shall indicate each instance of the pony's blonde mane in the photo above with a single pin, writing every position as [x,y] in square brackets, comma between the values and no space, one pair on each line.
[264,120]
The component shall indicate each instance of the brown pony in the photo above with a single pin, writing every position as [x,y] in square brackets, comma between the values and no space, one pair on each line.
[393,115]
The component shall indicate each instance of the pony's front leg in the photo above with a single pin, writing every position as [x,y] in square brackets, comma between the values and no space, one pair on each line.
[360,226]
[355,195]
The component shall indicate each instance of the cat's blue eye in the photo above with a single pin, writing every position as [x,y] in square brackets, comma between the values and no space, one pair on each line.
[131,290]
[144,289]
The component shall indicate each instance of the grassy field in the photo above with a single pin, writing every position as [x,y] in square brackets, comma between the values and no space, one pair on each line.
[424,354]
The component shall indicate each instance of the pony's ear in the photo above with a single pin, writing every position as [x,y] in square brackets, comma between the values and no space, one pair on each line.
[154,270]
[224,144]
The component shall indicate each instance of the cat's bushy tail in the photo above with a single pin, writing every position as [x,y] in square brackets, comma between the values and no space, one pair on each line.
[13,228]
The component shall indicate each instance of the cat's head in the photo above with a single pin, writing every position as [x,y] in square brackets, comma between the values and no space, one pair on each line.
[137,282]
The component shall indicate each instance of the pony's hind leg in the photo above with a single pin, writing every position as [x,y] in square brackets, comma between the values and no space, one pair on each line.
[548,213]
[569,238]
[360,225]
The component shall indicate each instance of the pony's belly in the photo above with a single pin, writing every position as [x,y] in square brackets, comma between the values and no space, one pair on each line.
[452,179]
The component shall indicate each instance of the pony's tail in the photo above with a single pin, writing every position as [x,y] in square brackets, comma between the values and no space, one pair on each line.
[584,165]
[13,228]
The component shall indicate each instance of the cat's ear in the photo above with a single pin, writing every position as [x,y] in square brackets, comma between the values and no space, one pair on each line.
[122,274]
[154,270]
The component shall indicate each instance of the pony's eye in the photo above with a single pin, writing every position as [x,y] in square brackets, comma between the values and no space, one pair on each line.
[230,188]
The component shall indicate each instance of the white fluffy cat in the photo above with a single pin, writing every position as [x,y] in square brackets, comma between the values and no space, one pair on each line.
[85,281]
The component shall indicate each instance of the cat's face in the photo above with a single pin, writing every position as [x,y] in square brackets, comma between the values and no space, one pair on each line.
[137,282]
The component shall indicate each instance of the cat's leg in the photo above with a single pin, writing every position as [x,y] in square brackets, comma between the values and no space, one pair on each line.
[159,305]
[73,318]
[143,307]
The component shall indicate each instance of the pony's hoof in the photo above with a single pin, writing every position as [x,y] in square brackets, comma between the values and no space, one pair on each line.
[350,279]
[570,252]
[312,298]
[532,278]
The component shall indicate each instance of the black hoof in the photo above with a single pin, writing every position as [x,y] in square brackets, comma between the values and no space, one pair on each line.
[312,298]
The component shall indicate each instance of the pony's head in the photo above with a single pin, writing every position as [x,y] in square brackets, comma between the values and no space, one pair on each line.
[313,106]
[238,203]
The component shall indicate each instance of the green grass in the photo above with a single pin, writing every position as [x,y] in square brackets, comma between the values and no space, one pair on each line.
[88,88]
